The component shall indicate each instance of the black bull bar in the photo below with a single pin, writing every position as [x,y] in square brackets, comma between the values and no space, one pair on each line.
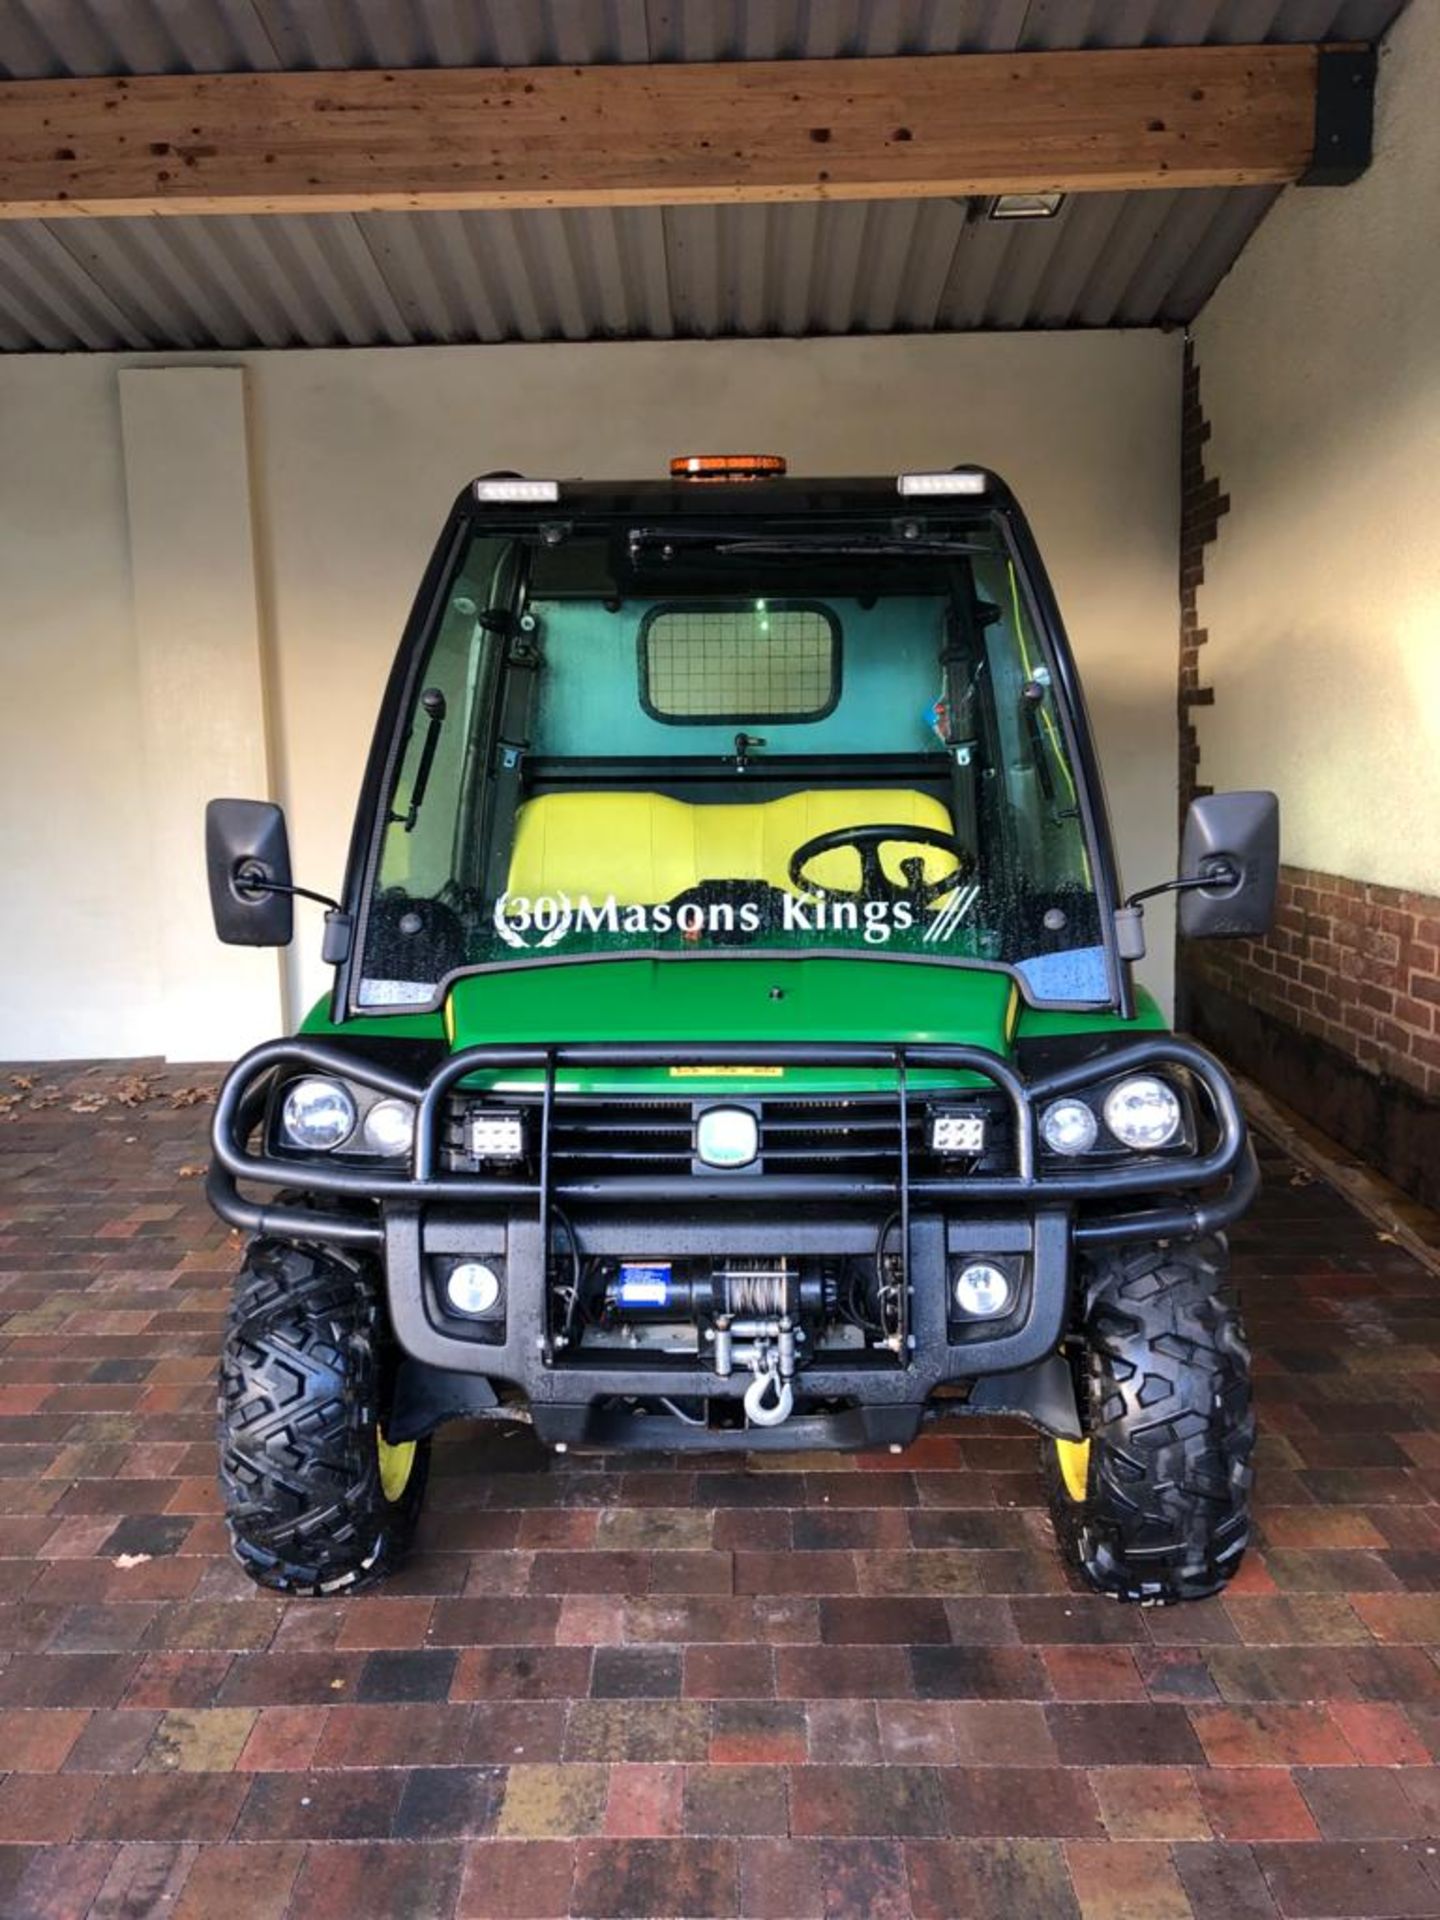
[1172,1188]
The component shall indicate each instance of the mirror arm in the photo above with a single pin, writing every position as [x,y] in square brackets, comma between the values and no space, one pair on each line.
[1130,919]
[1223,874]
[251,880]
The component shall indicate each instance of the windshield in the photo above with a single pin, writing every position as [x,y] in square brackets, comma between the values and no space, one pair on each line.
[628,740]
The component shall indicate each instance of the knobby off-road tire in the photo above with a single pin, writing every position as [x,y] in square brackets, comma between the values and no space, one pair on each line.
[317,1502]
[1156,1507]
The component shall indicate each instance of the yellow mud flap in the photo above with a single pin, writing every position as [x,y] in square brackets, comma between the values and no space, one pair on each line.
[1073,1458]
[395,1465]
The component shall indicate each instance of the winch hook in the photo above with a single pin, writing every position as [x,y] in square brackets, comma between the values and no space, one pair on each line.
[760,1411]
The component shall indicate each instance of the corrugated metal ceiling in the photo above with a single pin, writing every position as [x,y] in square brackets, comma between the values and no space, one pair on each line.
[1109,259]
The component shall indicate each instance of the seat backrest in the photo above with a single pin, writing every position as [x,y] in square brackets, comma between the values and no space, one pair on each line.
[646,847]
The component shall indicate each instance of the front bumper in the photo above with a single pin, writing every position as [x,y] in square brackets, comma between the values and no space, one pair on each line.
[1036,1213]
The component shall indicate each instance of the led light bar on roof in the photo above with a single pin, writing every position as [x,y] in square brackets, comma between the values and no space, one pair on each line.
[960,480]
[516,491]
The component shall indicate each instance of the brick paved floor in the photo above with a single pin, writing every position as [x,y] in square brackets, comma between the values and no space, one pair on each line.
[835,1686]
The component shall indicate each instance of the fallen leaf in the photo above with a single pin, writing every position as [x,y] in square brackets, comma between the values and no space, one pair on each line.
[192,1172]
[90,1103]
[24,1081]
[125,1561]
[193,1096]
[135,1089]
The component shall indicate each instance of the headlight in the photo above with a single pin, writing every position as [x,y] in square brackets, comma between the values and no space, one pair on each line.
[1142,1113]
[389,1128]
[319,1114]
[1068,1126]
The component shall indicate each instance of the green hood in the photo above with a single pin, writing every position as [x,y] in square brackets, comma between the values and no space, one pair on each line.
[745,1001]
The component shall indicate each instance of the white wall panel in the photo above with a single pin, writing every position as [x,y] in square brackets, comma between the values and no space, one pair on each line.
[201,697]
[78,972]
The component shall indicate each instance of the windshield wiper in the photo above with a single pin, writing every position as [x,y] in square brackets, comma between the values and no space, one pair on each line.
[432,705]
[848,549]
[643,541]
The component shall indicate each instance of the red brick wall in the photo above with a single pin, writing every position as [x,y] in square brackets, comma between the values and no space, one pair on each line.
[1338,1011]
[1201,506]
[1351,963]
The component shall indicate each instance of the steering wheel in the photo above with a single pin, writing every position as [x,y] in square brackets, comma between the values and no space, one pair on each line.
[875,883]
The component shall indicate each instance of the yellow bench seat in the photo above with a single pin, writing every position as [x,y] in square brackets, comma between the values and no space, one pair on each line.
[646,847]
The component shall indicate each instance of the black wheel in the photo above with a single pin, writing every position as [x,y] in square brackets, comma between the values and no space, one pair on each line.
[1154,1503]
[317,1500]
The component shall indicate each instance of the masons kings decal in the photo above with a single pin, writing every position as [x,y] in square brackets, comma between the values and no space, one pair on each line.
[547,920]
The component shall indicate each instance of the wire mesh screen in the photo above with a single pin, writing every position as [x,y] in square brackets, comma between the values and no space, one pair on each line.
[750,660]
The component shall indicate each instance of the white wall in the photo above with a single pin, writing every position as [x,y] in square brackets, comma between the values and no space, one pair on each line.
[79,966]
[354,459]
[1319,367]
[197,633]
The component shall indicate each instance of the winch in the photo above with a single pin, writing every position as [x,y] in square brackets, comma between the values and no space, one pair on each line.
[745,1314]
[698,1290]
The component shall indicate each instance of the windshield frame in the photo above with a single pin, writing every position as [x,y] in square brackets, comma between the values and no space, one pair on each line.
[773,511]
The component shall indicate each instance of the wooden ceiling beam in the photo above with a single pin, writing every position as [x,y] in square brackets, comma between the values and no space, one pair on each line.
[908,127]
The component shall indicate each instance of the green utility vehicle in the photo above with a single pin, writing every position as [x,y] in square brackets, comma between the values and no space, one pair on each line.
[733,1041]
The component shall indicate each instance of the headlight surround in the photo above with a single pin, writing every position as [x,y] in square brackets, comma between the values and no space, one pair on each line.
[1069,1126]
[389,1128]
[318,1115]
[1143,1113]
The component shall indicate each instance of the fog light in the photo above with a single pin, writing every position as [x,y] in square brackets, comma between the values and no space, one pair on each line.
[472,1287]
[497,1136]
[953,1130]
[982,1291]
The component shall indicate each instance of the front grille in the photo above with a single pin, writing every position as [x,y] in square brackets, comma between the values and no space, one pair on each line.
[599,1137]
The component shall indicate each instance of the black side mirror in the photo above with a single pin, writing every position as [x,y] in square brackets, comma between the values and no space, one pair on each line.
[1231,845]
[247,852]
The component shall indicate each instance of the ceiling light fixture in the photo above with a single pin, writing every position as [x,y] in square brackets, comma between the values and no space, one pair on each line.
[1026,206]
